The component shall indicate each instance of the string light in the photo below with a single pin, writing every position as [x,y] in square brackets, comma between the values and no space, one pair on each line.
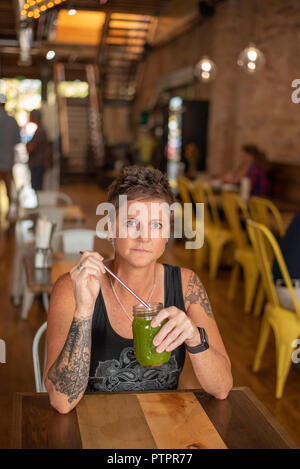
[33,8]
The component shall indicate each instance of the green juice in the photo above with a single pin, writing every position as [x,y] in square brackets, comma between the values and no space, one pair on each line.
[143,335]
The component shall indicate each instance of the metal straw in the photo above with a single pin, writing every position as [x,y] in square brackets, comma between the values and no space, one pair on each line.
[124,285]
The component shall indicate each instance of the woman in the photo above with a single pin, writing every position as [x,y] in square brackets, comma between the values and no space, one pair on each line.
[254,166]
[89,336]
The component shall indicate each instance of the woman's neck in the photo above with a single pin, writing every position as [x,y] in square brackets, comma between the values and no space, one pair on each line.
[139,279]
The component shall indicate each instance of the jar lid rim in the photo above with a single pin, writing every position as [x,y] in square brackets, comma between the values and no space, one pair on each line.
[140,308]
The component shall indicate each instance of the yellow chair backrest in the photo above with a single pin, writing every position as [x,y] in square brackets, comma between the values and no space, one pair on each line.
[260,210]
[185,187]
[203,193]
[264,242]
[233,204]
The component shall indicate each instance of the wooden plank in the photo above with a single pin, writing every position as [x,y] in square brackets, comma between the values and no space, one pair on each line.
[179,421]
[269,418]
[113,422]
[243,422]
[36,425]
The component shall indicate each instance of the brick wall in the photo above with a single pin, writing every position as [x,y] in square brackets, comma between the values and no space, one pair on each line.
[243,109]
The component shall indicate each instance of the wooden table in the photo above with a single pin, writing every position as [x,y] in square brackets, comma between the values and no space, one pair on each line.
[72,213]
[148,420]
[41,280]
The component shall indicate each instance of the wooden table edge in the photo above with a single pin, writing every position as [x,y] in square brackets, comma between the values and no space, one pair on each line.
[16,431]
[16,427]
[268,416]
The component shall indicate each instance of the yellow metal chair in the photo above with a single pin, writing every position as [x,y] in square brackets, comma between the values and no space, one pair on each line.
[216,237]
[285,323]
[262,210]
[185,188]
[243,255]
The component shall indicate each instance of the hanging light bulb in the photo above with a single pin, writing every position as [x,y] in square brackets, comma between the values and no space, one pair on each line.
[205,70]
[251,59]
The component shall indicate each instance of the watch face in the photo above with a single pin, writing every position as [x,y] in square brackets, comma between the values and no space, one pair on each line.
[203,335]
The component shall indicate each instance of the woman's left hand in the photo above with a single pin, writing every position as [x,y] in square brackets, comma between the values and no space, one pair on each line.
[178,329]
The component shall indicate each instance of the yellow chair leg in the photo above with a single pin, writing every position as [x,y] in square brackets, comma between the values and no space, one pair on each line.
[262,342]
[214,259]
[233,280]
[283,367]
[259,301]
[200,256]
[251,277]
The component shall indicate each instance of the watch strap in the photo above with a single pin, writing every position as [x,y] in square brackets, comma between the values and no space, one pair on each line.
[204,343]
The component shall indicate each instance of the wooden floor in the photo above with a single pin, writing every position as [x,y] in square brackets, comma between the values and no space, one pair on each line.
[239,332]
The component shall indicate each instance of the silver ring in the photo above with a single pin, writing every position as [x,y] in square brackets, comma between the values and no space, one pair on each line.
[80,267]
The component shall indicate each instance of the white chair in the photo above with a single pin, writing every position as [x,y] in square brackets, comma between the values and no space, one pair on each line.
[38,374]
[52,198]
[55,215]
[24,236]
[74,241]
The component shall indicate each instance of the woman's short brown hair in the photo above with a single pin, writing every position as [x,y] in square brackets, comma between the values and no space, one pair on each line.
[140,183]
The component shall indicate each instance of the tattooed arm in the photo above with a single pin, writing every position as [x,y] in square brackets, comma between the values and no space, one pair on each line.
[212,367]
[196,295]
[69,332]
[70,372]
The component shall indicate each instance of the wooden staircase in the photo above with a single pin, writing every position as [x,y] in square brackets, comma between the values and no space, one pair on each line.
[125,38]
[80,129]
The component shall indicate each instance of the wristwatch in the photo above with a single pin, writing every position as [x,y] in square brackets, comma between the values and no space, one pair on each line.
[204,342]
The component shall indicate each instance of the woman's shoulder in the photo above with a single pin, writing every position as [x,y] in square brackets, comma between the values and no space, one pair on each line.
[63,282]
[187,275]
[63,290]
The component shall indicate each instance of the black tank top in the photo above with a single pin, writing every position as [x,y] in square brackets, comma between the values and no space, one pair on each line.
[113,365]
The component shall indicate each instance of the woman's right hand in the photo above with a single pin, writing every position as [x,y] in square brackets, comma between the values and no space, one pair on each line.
[87,277]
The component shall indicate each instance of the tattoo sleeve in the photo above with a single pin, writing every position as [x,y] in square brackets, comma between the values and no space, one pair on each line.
[196,294]
[70,372]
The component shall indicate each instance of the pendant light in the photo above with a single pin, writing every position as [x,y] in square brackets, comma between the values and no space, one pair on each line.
[205,70]
[252,59]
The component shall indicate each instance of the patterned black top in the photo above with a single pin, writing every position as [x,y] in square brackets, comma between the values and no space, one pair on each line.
[113,365]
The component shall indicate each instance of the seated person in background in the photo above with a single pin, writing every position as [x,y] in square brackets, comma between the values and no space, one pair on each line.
[290,248]
[253,166]
[89,333]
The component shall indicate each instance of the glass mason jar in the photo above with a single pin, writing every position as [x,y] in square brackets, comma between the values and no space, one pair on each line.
[143,335]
